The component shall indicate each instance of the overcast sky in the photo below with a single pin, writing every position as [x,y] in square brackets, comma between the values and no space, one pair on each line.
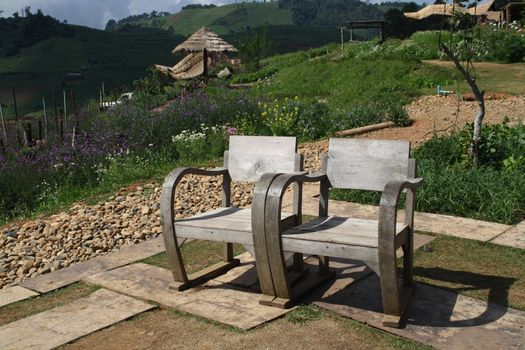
[96,13]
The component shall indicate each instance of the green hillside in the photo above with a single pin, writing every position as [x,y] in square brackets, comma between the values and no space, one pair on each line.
[227,19]
[115,58]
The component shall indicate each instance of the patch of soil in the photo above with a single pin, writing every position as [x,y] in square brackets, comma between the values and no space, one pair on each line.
[469,96]
[163,329]
[438,115]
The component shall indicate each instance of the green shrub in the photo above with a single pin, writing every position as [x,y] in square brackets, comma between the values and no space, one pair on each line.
[493,191]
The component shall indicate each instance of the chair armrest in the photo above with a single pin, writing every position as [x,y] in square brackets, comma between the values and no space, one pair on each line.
[388,208]
[170,183]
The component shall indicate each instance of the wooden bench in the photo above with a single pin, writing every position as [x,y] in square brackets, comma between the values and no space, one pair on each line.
[248,158]
[350,164]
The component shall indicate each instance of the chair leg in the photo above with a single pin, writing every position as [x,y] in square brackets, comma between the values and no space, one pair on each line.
[408,261]
[182,280]
[390,293]
[324,265]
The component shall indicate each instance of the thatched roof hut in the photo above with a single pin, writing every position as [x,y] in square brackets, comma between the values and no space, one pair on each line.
[205,39]
[483,9]
[435,10]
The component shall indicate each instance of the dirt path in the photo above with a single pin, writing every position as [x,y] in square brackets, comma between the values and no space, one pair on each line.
[438,115]
[167,330]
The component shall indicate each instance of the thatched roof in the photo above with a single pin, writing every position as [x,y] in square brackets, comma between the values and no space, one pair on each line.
[430,10]
[204,39]
[484,9]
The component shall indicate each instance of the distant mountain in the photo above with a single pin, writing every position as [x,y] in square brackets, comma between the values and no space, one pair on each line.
[80,58]
[241,17]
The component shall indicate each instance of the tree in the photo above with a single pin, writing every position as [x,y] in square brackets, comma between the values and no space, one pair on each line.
[111,25]
[254,48]
[463,24]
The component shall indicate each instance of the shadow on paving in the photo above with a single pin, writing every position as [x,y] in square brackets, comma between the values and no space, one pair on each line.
[437,317]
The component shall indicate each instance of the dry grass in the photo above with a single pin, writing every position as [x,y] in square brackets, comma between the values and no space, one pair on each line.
[476,269]
[22,309]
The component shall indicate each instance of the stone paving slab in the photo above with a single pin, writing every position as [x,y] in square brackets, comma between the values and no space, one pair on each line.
[74,273]
[64,324]
[15,294]
[216,301]
[435,317]
[244,275]
[426,222]
[514,237]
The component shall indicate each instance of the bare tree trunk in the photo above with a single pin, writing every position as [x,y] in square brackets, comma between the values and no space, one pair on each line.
[480,97]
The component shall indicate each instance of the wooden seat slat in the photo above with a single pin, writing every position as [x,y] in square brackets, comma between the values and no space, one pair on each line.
[338,230]
[223,225]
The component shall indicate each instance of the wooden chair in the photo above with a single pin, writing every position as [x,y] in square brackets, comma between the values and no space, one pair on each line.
[248,159]
[350,164]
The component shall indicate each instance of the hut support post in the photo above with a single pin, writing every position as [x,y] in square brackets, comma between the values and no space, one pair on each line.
[205,62]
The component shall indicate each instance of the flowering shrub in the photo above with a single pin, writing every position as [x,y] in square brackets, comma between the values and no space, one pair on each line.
[203,144]
[128,142]
[280,118]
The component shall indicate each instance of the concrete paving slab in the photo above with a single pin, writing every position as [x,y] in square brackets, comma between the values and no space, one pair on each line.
[74,273]
[221,302]
[244,275]
[15,294]
[514,237]
[435,317]
[64,324]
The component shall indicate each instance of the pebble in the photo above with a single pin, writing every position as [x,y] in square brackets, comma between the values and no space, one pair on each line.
[128,217]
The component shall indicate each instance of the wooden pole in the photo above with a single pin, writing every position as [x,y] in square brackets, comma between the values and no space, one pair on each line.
[103,93]
[45,117]
[14,101]
[40,130]
[3,125]
[56,109]
[65,108]
[20,140]
[365,129]
[342,40]
[75,112]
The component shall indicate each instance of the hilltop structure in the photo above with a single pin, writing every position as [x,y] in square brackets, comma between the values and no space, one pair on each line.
[484,11]
[206,50]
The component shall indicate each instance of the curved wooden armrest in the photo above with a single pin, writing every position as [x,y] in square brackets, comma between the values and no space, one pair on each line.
[170,183]
[279,186]
[389,203]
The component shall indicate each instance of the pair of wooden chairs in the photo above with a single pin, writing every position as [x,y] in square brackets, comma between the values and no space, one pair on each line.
[278,240]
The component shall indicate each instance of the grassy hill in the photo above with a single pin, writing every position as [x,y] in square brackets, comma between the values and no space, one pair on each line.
[115,58]
[227,19]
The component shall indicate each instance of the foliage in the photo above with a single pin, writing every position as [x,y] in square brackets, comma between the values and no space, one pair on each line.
[281,118]
[19,32]
[207,143]
[198,6]
[492,191]
[133,19]
[130,142]
[254,48]
[488,44]
[329,12]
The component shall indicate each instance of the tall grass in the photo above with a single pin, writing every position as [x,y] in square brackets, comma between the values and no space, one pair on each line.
[493,191]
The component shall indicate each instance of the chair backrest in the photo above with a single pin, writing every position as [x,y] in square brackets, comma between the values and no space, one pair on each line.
[249,157]
[366,164]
